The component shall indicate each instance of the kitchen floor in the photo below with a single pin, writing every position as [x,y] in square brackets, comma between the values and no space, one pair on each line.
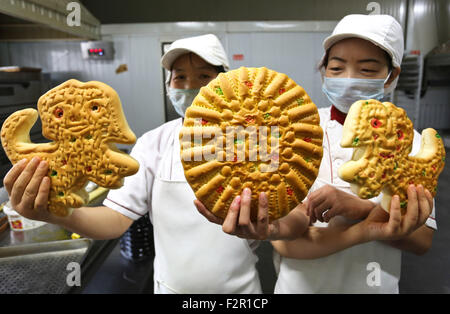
[419,274]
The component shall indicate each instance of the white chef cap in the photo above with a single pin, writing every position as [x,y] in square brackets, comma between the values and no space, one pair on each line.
[381,30]
[207,47]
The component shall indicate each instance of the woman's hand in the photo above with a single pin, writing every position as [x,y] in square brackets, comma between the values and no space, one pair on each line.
[328,201]
[380,225]
[238,222]
[28,188]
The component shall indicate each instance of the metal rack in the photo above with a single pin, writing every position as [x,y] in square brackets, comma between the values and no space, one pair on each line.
[408,91]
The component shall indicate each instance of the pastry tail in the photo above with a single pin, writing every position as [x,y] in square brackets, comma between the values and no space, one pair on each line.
[15,136]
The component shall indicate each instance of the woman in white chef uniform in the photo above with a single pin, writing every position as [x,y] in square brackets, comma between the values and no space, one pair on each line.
[371,267]
[356,246]
[192,255]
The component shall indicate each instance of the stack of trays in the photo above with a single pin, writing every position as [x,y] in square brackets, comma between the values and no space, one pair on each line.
[137,242]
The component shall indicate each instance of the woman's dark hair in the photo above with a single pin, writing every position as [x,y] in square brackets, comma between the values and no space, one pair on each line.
[220,69]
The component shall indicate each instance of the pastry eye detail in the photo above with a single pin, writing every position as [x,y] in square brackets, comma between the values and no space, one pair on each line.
[94,108]
[375,123]
[58,113]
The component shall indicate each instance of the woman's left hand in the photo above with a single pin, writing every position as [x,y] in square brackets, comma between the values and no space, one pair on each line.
[380,225]
[238,222]
[328,201]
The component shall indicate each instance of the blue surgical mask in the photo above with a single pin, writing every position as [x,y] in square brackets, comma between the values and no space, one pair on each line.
[181,98]
[343,92]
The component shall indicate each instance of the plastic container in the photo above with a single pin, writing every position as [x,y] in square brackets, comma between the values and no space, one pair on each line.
[18,222]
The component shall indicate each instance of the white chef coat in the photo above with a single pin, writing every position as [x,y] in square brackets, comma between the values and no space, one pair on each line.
[192,255]
[349,270]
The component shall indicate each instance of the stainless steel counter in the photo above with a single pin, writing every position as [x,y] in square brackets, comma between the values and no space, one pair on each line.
[37,260]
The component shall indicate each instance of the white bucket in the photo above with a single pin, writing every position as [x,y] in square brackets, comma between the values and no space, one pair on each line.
[18,222]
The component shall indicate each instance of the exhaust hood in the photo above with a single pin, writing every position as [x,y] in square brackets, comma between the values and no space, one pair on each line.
[25,20]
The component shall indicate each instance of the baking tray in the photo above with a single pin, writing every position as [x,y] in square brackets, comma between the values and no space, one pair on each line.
[40,267]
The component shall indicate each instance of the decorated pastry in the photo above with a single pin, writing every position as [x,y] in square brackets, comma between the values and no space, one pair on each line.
[83,121]
[381,135]
[255,128]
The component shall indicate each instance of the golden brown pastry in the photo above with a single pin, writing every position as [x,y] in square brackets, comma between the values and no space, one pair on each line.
[83,120]
[381,135]
[256,128]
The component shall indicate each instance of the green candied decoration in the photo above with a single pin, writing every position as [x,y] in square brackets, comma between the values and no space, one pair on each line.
[60,193]
[266,115]
[108,171]
[395,166]
[424,173]
[88,137]
[236,141]
[307,159]
[435,189]
[443,158]
[219,91]
[355,142]
[276,134]
[403,204]
[438,136]
[300,101]
[73,139]
[54,173]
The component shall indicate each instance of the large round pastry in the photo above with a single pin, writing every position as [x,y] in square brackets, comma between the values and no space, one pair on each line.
[255,128]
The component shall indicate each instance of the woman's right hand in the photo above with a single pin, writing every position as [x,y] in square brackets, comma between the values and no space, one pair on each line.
[28,187]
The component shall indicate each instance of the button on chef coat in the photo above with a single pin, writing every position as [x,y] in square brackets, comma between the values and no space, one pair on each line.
[192,254]
[345,271]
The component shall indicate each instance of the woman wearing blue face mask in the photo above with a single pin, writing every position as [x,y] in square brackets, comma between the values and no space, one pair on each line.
[353,246]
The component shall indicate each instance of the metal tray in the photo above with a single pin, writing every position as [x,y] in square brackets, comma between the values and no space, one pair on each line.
[40,267]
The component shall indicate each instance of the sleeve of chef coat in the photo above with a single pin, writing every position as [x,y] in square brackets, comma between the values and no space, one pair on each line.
[132,199]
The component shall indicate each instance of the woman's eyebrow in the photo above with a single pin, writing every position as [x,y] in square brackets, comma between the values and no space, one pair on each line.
[338,59]
[205,67]
[369,60]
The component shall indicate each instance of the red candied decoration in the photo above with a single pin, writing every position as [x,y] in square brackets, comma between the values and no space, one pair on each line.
[400,135]
[204,121]
[281,91]
[220,189]
[248,84]
[307,139]
[289,191]
[250,119]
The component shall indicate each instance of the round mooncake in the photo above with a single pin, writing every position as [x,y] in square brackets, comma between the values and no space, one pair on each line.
[255,128]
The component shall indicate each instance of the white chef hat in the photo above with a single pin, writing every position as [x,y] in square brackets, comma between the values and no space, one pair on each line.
[381,30]
[207,47]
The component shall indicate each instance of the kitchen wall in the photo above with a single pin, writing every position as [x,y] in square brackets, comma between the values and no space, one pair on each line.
[294,48]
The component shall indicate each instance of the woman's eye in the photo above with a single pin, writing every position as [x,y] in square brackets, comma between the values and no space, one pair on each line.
[205,76]
[368,70]
[179,77]
[335,69]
